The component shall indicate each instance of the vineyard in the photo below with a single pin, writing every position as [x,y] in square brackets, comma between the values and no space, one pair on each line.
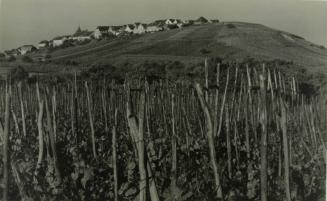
[239,133]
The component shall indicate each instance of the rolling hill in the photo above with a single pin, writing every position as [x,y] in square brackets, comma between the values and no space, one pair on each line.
[229,40]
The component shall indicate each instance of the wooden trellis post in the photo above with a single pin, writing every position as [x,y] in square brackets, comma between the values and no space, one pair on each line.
[210,137]
[263,145]
[6,153]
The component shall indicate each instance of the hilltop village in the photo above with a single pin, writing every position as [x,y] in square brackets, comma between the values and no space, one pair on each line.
[104,32]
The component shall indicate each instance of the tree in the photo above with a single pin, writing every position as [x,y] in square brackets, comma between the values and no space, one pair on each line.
[18,73]
[231,26]
[11,59]
[79,30]
[27,59]
[204,51]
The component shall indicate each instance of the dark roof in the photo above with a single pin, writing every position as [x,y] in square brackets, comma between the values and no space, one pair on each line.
[103,28]
[138,24]
[130,25]
[202,19]
[214,20]
[115,28]
[157,23]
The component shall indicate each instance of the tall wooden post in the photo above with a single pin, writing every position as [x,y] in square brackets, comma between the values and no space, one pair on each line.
[263,146]
[6,153]
[91,119]
[209,130]
[283,124]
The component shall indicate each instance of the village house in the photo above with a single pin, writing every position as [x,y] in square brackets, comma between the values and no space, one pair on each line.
[11,53]
[43,44]
[129,28]
[174,22]
[155,26]
[101,31]
[115,30]
[82,36]
[201,20]
[158,25]
[186,23]
[26,49]
[139,28]
[59,41]
[214,21]
[177,21]
[170,21]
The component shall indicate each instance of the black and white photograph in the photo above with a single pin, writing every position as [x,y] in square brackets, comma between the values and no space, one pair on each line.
[163,100]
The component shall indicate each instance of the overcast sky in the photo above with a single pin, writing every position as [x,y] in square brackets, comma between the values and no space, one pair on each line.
[30,21]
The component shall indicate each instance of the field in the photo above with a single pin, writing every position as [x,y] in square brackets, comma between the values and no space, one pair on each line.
[238,133]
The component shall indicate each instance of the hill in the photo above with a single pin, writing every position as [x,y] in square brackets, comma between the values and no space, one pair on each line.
[230,41]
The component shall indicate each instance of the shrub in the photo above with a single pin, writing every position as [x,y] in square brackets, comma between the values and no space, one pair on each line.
[172,26]
[2,56]
[322,47]
[70,62]
[11,58]
[27,59]
[18,73]
[231,26]
[205,51]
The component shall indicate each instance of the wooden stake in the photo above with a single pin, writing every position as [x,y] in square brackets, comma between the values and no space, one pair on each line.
[41,141]
[283,123]
[263,146]
[6,153]
[223,104]
[173,148]
[114,155]
[209,127]
[91,120]
[22,107]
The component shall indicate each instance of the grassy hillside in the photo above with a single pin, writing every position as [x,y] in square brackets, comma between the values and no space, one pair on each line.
[230,41]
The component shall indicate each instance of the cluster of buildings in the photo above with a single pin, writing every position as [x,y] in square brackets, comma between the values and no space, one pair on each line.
[107,31]
[141,28]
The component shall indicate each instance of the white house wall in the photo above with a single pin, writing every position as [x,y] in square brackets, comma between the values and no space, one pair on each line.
[139,30]
[57,43]
[97,34]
